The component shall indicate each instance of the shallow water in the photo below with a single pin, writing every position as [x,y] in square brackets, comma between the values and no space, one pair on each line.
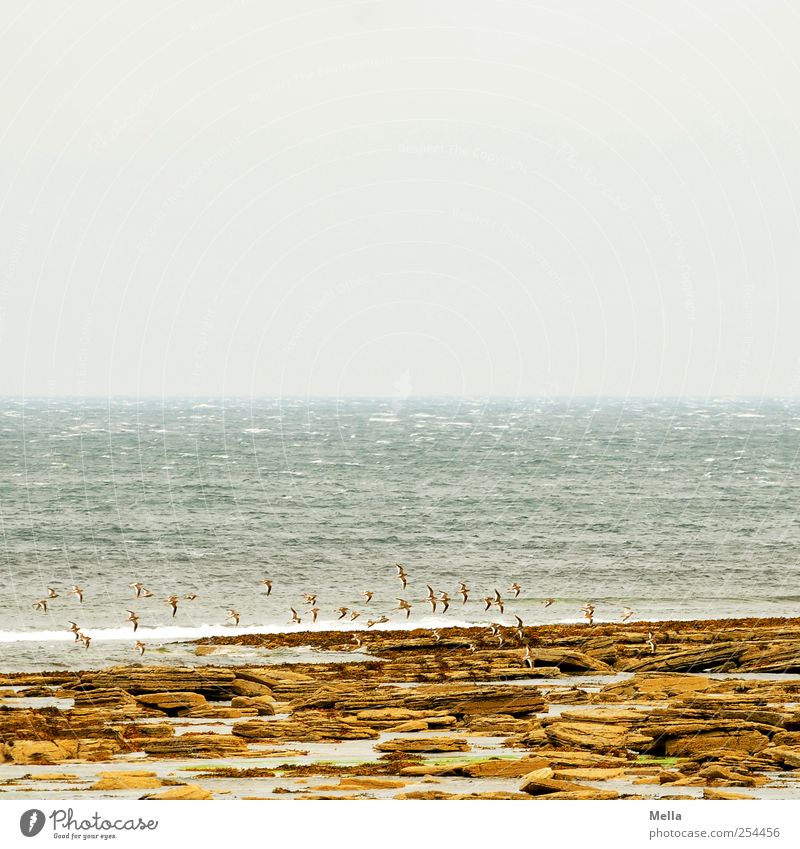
[680,509]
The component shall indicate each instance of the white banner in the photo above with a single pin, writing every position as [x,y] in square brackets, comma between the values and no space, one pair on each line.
[350,824]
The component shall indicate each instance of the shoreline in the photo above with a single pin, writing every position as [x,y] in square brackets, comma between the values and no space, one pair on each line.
[714,713]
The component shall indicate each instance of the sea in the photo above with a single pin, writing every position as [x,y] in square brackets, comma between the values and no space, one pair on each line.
[676,508]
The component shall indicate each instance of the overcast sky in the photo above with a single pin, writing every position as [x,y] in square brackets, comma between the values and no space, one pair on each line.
[417,196]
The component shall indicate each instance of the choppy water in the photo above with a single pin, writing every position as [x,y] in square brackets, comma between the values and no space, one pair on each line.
[680,509]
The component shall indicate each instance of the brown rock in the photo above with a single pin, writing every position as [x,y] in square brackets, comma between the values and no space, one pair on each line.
[264,705]
[715,744]
[424,744]
[123,780]
[187,791]
[172,703]
[587,774]
[244,687]
[710,793]
[196,746]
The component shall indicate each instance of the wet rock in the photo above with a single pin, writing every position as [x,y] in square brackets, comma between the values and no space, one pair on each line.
[172,703]
[702,744]
[126,780]
[187,791]
[211,682]
[246,687]
[196,746]
[710,793]
[313,727]
[598,736]
[699,659]
[41,751]
[264,705]
[538,783]
[424,744]
[589,774]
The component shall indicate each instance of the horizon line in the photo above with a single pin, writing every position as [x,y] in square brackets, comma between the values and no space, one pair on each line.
[395,398]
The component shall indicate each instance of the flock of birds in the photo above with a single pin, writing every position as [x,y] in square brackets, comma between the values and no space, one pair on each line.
[436,599]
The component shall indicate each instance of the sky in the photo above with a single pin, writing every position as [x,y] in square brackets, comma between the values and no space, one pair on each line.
[415,197]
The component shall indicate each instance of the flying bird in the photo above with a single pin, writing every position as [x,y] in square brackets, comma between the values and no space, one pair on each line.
[499,601]
[402,604]
[295,618]
[234,615]
[464,590]
[314,613]
[445,599]
[172,600]
[651,643]
[51,593]
[268,585]
[132,617]
[138,586]
[367,596]
[401,574]
[516,589]
[626,614]
[140,647]
[343,611]
[41,605]
[78,591]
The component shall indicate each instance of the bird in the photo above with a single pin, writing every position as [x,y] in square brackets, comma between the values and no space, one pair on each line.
[500,641]
[295,617]
[464,590]
[498,601]
[402,604]
[172,600]
[138,586]
[354,614]
[234,615]
[140,647]
[78,591]
[310,598]
[548,601]
[132,617]
[489,602]
[51,593]
[41,605]
[515,587]
[471,648]
[626,614]
[520,628]
[436,635]
[379,621]
[146,593]
[401,574]
[432,598]
[343,611]
[268,585]
[445,599]
[367,596]
[526,658]
[190,597]
[651,643]
[494,629]
[357,640]
[314,613]
[75,630]
[588,613]
[85,639]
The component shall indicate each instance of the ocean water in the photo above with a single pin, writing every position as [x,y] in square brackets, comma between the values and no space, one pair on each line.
[676,508]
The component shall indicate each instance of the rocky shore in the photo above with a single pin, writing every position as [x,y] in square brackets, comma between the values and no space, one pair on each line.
[713,712]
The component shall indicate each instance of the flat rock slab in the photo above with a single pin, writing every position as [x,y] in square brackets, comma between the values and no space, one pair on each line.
[172,701]
[310,727]
[196,746]
[424,744]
